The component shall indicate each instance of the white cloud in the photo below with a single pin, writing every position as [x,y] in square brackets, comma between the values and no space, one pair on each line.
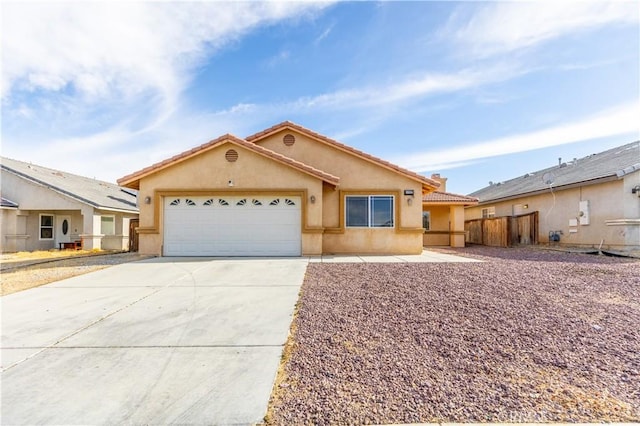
[505,27]
[408,89]
[116,49]
[620,120]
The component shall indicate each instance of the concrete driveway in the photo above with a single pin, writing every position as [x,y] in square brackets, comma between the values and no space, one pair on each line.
[190,341]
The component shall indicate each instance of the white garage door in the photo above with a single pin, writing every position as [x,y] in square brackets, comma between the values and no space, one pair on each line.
[232,226]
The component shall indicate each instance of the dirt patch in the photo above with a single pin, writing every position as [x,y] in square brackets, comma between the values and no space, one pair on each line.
[526,336]
[35,275]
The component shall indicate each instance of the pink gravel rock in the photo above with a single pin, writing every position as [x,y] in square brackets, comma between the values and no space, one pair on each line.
[526,336]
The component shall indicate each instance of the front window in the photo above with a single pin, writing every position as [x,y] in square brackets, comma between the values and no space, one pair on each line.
[46,227]
[426,220]
[369,211]
[107,225]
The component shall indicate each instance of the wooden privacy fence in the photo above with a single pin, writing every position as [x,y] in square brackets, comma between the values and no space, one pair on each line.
[505,231]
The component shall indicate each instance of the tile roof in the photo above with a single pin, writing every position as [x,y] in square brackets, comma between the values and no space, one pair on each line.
[96,193]
[438,197]
[7,203]
[132,180]
[432,184]
[611,164]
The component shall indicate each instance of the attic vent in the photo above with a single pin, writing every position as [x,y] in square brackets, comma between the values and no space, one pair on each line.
[231,155]
[289,139]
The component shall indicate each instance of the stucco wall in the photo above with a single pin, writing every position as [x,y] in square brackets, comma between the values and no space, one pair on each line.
[438,234]
[357,176]
[607,201]
[210,173]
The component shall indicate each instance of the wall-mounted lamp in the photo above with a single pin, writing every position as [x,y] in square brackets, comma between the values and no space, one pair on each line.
[312,199]
[636,190]
[526,206]
[147,200]
[409,193]
[230,184]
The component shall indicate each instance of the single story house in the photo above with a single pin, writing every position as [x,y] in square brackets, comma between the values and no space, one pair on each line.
[591,202]
[284,191]
[443,216]
[46,208]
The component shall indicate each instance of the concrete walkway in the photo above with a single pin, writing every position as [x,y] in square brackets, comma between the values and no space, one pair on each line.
[162,341]
[427,256]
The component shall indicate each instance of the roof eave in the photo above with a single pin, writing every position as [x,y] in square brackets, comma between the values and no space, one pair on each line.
[602,179]
[133,180]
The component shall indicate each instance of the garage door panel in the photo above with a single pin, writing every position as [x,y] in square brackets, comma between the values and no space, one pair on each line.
[239,226]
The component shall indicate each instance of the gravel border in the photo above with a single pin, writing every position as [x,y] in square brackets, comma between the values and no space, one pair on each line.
[526,336]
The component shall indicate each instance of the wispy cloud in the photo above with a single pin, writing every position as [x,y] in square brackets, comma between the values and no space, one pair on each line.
[503,27]
[620,120]
[324,35]
[407,89]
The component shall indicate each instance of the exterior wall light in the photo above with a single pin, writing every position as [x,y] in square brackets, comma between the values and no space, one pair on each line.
[147,200]
[312,199]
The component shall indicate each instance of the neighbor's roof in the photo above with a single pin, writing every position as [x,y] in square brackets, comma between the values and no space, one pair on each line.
[439,197]
[133,180]
[96,193]
[8,203]
[607,165]
[432,184]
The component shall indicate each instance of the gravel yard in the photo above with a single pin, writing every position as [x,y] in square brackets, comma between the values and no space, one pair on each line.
[25,277]
[526,336]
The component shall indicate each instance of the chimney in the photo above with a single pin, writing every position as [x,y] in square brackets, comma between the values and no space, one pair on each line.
[442,180]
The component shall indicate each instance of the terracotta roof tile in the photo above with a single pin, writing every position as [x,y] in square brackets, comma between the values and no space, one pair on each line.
[132,180]
[449,198]
[290,125]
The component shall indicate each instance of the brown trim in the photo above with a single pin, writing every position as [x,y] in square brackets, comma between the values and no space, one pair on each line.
[160,194]
[445,232]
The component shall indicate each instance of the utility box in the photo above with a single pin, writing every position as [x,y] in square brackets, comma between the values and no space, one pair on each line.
[583,215]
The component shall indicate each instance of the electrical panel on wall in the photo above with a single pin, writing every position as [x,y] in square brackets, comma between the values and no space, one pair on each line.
[583,215]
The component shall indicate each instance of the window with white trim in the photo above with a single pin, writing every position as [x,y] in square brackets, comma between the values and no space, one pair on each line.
[108,225]
[488,212]
[369,211]
[46,227]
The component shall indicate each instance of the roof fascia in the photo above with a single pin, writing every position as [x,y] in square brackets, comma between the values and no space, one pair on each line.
[49,186]
[595,181]
[136,176]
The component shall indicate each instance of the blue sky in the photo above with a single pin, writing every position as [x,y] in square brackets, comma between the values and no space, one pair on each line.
[475,91]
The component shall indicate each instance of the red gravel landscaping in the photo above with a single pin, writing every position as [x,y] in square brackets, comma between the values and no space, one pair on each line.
[526,336]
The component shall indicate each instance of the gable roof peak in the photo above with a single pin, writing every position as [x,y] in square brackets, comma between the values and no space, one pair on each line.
[425,181]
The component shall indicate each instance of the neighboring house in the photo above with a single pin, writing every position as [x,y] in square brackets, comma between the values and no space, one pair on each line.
[48,207]
[284,191]
[592,201]
[443,216]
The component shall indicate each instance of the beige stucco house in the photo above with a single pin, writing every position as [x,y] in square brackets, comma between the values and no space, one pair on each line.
[443,216]
[591,202]
[284,191]
[43,208]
